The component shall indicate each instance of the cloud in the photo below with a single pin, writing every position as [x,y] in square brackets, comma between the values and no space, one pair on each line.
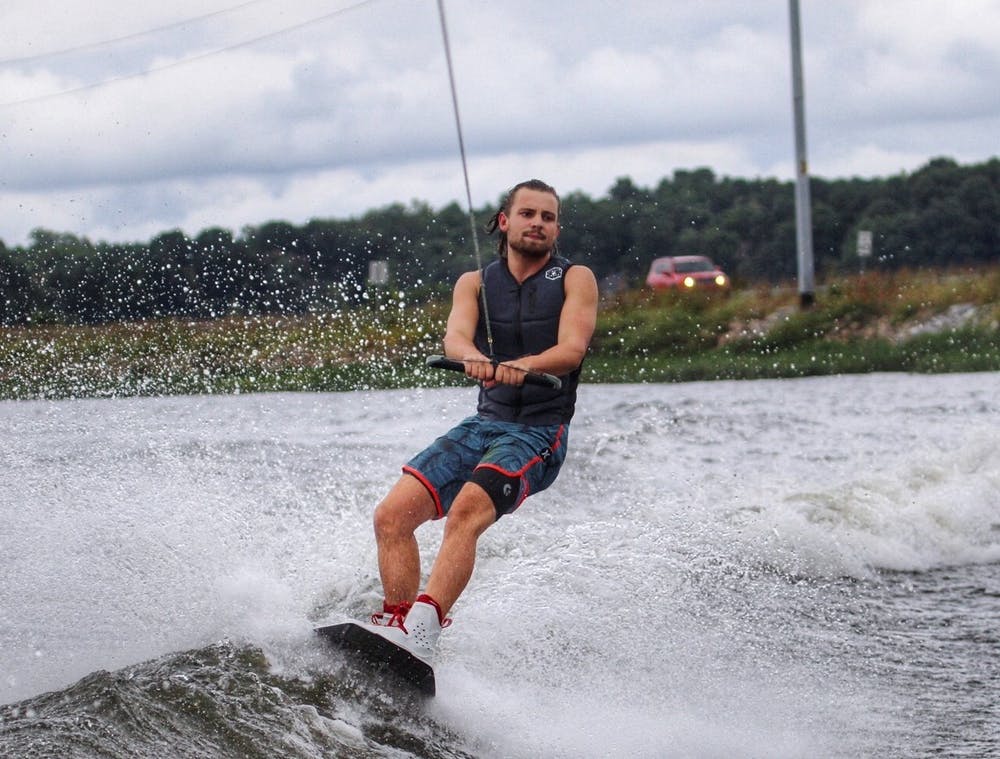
[906,61]
[328,108]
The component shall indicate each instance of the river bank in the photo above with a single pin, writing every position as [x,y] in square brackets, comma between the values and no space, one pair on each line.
[923,321]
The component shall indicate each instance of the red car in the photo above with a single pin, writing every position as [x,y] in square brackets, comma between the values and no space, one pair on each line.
[686,273]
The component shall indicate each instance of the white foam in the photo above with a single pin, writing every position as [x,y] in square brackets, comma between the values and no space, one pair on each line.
[630,590]
[919,513]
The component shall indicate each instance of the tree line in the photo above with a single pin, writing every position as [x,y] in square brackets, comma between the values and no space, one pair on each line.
[943,214]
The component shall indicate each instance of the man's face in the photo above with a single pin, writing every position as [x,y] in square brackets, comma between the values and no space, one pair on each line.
[533,224]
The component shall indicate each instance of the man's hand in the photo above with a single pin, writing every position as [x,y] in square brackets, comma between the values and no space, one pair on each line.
[509,373]
[489,374]
[479,368]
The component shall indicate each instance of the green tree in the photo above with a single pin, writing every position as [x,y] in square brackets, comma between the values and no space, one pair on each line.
[16,288]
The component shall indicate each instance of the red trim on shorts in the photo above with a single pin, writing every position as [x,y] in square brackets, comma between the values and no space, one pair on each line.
[430,489]
[520,472]
[557,443]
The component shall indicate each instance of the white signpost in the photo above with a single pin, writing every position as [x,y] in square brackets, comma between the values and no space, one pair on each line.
[864,246]
[378,272]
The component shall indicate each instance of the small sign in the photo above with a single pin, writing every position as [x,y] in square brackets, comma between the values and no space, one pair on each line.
[864,243]
[378,272]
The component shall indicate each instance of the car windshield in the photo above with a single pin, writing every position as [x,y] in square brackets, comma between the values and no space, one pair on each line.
[700,264]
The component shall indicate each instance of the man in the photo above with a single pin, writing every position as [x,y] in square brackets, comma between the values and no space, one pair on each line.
[542,311]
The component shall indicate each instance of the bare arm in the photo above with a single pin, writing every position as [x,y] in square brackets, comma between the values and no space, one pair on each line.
[459,336]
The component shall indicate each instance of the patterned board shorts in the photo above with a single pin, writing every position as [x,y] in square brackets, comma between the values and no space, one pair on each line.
[509,461]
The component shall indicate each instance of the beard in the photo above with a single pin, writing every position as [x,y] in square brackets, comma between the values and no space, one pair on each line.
[530,248]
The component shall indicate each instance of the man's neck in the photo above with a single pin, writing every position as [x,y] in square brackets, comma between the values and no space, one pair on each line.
[521,267]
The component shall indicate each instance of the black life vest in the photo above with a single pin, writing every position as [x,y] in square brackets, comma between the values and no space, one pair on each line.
[524,318]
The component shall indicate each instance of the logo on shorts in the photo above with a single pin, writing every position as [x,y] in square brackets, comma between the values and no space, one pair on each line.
[507,490]
[545,453]
[555,272]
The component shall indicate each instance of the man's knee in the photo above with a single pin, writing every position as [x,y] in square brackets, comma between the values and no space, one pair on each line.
[472,510]
[503,488]
[385,520]
[407,506]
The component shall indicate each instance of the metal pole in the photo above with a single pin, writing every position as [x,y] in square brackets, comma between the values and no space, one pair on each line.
[803,208]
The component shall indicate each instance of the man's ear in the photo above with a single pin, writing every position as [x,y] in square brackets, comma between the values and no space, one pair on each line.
[502,222]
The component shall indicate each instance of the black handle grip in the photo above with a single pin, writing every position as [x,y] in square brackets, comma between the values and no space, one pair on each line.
[530,378]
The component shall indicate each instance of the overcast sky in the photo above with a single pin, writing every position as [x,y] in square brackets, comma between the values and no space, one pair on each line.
[120,120]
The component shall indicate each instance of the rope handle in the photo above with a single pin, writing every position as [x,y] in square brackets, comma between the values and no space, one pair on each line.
[530,378]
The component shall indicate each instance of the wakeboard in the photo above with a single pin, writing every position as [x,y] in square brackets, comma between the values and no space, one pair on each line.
[380,655]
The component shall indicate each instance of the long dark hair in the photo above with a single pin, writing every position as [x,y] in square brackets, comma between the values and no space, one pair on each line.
[494,223]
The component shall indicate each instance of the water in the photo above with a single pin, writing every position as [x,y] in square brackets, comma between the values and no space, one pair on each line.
[787,568]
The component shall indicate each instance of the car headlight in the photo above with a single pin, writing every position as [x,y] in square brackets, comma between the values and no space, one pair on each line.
[720,280]
[688,281]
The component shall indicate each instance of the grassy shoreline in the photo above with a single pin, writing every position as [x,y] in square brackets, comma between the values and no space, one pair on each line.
[920,321]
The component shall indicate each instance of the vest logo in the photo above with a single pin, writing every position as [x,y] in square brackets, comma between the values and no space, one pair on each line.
[555,272]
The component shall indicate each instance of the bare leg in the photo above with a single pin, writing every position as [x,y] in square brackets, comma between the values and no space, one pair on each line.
[407,506]
[469,517]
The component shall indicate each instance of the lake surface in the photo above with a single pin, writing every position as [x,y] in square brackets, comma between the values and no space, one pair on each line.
[779,568]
